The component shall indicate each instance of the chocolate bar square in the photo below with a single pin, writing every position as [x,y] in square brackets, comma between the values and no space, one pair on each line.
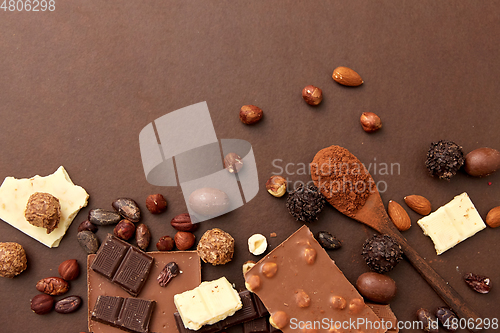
[109,256]
[133,271]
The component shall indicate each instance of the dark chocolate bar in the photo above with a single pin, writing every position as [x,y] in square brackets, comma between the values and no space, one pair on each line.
[123,264]
[251,310]
[128,314]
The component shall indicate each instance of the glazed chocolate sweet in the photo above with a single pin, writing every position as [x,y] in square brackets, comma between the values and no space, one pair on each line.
[128,314]
[162,320]
[252,310]
[124,264]
[300,284]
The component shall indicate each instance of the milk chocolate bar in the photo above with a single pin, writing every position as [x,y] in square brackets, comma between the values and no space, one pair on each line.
[252,309]
[123,264]
[302,288]
[128,314]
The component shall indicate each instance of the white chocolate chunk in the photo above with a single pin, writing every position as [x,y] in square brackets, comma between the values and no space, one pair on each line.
[210,302]
[452,223]
[14,195]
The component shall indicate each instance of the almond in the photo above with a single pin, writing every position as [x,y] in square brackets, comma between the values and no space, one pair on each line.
[493,217]
[347,77]
[418,204]
[399,216]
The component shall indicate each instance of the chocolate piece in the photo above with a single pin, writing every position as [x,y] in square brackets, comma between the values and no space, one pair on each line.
[250,311]
[128,314]
[303,265]
[124,264]
[388,317]
[162,320]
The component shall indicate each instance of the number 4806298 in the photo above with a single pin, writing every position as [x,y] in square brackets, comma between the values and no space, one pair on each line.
[28,5]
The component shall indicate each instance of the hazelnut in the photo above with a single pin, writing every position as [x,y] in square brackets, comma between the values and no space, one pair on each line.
[370,122]
[166,243]
[124,229]
[42,304]
[233,163]
[250,114]
[247,265]
[356,305]
[310,255]
[276,186]
[87,225]
[184,240]
[269,269]
[302,299]
[183,222]
[43,210]
[279,320]
[156,203]
[253,283]
[257,244]
[339,302]
[312,95]
[69,269]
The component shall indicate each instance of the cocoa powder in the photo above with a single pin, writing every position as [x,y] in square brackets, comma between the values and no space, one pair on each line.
[342,179]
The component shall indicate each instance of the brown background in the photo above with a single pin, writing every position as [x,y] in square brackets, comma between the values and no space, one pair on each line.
[78,84]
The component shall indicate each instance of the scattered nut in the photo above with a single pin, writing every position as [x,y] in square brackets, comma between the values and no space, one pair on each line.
[447,318]
[418,204]
[347,77]
[124,229]
[250,114]
[310,255]
[183,222]
[142,236]
[339,302]
[88,241]
[12,259]
[87,225]
[233,163]
[168,272]
[100,216]
[184,240]
[479,283]
[273,235]
[370,122]
[493,217]
[127,208]
[399,216]
[247,265]
[257,244]
[356,306]
[482,162]
[312,95]
[156,203]
[42,304]
[429,323]
[43,210]
[276,186]
[52,286]
[68,305]
[216,247]
[69,269]
[269,269]
[302,299]
[279,320]
[166,243]
[252,283]
[328,241]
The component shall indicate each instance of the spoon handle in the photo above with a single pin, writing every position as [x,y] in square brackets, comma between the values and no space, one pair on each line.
[440,286]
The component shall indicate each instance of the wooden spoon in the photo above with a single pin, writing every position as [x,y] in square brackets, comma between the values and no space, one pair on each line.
[373,214]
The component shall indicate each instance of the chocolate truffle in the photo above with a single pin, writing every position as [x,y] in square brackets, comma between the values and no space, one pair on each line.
[444,159]
[12,259]
[305,203]
[43,210]
[216,247]
[382,253]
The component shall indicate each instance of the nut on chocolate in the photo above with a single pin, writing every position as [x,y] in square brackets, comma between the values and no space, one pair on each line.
[276,186]
[43,210]
[216,247]
[12,259]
